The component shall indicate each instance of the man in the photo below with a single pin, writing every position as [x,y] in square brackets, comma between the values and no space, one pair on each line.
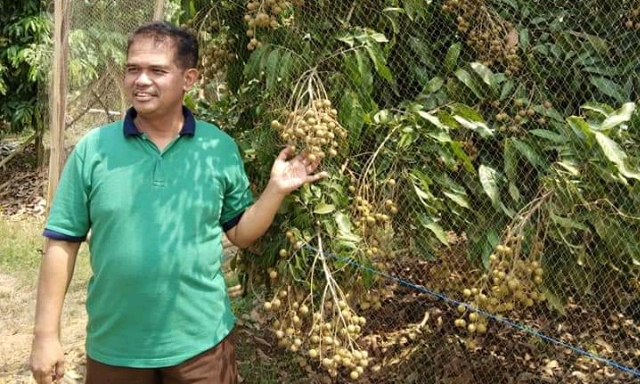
[156,189]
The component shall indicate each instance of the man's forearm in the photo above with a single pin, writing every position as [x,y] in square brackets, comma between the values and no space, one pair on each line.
[257,219]
[56,271]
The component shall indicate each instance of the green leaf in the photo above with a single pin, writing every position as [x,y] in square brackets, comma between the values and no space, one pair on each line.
[507,88]
[486,75]
[581,128]
[481,128]
[379,61]
[549,135]
[382,117]
[524,39]
[471,119]
[467,112]
[286,66]
[514,192]
[345,232]
[254,64]
[435,228]
[457,198]
[272,68]
[603,109]
[568,223]
[510,160]
[440,136]
[488,179]
[618,117]
[422,51]
[530,154]
[324,208]
[344,224]
[569,168]
[434,85]
[348,39]
[610,88]
[616,155]
[351,114]
[457,149]
[611,149]
[432,119]
[364,70]
[451,60]
[467,80]
[549,112]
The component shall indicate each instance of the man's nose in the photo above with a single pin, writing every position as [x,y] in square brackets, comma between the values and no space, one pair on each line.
[142,78]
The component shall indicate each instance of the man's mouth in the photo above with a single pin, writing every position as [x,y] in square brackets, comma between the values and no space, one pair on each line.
[143,95]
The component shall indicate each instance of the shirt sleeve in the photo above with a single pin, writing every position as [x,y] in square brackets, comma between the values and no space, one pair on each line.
[69,214]
[237,196]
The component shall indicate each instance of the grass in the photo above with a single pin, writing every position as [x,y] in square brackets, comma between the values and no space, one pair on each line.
[21,246]
[21,251]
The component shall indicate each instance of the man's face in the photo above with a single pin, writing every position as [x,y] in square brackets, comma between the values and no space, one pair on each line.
[155,84]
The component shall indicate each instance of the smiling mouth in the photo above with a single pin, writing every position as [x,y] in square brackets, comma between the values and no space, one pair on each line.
[143,95]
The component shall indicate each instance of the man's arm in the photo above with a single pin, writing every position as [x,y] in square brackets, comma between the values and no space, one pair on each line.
[56,270]
[286,177]
[257,218]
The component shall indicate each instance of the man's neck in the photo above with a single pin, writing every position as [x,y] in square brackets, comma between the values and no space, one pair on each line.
[162,127]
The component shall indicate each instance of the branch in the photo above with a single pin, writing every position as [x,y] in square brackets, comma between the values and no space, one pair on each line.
[18,150]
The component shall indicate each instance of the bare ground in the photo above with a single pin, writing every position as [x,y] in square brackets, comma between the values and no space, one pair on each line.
[16,324]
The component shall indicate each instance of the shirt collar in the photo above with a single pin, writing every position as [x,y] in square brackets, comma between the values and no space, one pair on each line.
[188,129]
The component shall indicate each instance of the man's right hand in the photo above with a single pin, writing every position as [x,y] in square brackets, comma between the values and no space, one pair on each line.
[47,359]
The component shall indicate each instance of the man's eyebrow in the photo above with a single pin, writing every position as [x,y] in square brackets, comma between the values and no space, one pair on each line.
[152,66]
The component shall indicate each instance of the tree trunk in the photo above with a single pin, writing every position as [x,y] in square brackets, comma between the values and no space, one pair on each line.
[58,94]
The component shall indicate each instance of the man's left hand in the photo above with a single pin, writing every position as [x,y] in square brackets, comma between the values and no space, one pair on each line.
[289,175]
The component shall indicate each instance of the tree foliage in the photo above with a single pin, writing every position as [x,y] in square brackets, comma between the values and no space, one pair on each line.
[23,57]
[504,131]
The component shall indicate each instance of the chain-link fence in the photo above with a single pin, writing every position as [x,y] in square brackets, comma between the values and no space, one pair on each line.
[98,32]
[481,221]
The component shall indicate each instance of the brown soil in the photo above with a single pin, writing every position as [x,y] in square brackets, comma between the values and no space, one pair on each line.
[16,322]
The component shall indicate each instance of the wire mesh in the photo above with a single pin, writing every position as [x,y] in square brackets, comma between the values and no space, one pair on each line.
[98,32]
[481,221]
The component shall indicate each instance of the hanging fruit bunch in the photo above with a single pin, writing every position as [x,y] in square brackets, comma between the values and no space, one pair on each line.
[494,39]
[312,124]
[214,42]
[216,57]
[319,324]
[263,14]
[514,278]
[632,19]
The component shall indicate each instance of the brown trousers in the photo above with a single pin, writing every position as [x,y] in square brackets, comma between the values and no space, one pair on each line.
[214,366]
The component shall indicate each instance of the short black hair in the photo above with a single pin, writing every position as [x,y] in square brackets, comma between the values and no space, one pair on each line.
[186,44]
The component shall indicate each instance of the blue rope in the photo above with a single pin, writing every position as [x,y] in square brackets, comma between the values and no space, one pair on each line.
[510,323]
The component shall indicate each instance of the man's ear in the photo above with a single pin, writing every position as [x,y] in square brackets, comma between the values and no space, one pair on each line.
[190,77]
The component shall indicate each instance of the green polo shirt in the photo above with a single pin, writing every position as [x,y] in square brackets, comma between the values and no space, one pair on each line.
[157,296]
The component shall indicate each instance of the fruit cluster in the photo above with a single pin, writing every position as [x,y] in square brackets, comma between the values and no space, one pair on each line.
[522,113]
[510,282]
[324,334]
[491,37]
[314,129]
[367,215]
[632,20]
[216,57]
[262,14]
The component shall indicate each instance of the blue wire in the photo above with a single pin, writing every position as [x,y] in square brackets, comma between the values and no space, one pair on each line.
[512,324]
